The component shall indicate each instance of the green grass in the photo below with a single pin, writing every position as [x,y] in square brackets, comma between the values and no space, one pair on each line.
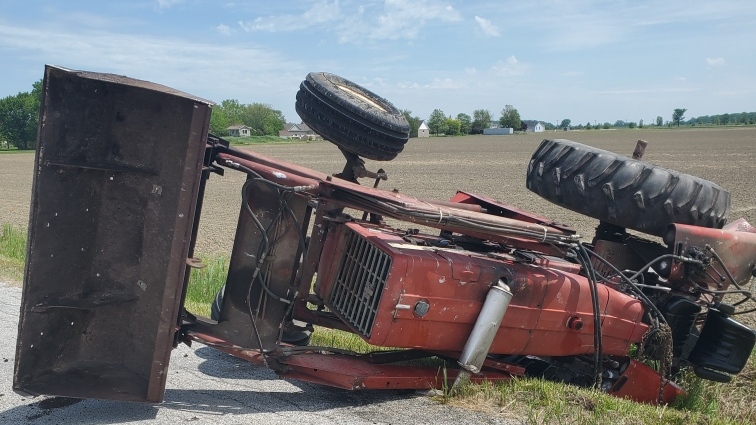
[204,284]
[536,401]
[12,253]
[13,151]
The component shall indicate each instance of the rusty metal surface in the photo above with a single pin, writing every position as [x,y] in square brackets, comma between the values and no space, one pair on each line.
[641,383]
[495,207]
[354,373]
[272,174]
[735,244]
[454,283]
[115,185]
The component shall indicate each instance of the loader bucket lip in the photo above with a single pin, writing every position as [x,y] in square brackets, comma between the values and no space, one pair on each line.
[133,82]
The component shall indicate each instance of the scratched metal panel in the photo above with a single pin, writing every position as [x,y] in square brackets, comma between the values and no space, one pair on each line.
[115,186]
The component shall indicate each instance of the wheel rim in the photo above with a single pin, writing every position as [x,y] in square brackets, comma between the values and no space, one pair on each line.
[360,96]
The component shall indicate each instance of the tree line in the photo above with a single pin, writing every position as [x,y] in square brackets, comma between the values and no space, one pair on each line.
[19,118]
[439,123]
[261,118]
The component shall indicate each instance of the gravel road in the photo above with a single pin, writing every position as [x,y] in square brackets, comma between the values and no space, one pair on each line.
[206,386]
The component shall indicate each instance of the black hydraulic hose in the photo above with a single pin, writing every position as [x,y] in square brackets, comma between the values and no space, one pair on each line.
[632,284]
[265,250]
[584,260]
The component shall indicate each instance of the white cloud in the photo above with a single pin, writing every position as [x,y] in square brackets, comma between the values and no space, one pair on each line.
[405,18]
[715,62]
[509,67]
[223,29]
[185,65]
[166,4]
[646,91]
[391,20]
[444,83]
[488,28]
[320,13]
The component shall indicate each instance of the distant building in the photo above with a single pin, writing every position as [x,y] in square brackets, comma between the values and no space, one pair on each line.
[423,130]
[530,126]
[298,131]
[239,131]
[498,131]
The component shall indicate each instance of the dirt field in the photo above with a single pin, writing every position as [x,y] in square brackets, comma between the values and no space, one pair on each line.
[436,167]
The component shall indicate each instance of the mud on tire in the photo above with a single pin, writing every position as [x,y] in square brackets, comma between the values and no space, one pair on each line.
[623,191]
[352,117]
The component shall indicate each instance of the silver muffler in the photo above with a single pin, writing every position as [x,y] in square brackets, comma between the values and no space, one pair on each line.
[476,348]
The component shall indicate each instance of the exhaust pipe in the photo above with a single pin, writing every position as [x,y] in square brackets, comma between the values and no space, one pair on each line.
[483,333]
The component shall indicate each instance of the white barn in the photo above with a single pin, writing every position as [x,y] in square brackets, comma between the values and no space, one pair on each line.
[423,130]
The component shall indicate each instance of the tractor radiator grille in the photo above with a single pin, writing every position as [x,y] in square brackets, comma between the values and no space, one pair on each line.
[359,283]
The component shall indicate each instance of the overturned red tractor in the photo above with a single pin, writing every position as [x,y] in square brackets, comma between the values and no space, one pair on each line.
[491,290]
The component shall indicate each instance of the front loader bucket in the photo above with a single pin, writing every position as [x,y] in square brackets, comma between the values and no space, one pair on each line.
[116,178]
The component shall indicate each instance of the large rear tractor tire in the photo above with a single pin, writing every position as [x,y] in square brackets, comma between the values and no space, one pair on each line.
[623,191]
[352,117]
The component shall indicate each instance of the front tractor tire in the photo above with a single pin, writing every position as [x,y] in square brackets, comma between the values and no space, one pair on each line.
[352,117]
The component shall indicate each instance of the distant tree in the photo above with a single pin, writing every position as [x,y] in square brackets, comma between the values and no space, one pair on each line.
[233,110]
[606,125]
[437,122]
[218,122]
[465,123]
[565,123]
[631,124]
[640,124]
[678,115]
[19,117]
[620,123]
[452,126]
[481,120]
[262,119]
[588,126]
[414,122]
[743,118]
[725,119]
[510,118]
[659,121]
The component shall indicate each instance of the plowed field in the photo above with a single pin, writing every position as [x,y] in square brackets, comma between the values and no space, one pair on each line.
[436,167]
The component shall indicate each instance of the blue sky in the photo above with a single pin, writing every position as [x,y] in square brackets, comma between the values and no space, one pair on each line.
[584,60]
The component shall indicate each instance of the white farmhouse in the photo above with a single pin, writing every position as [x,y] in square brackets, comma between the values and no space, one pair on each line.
[530,126]
[239,131]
